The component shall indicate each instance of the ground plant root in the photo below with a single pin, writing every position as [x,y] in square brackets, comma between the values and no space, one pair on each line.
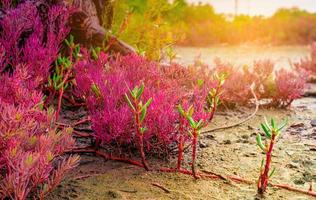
[287,187]
[166,190]
[85,120]
[238,123]
[107,156]
[212,175]
[81,134]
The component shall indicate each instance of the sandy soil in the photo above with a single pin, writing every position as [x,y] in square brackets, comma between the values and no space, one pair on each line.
[229,152]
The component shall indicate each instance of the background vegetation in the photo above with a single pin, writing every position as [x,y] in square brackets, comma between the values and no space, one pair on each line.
[153,24]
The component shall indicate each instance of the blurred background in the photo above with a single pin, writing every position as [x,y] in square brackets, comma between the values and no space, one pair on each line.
[235,30]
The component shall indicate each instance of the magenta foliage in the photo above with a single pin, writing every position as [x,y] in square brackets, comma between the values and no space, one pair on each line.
[32,38]
[107,107]
[104,82]
[308,65]
[236,89]
[282,87]
[17,88]
[31,147]
[289,86]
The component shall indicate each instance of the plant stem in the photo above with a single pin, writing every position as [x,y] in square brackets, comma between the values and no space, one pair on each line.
[59,103]
[61,92]
[180,145]
[140,135]
[194,144]
[264,177]
[107,156]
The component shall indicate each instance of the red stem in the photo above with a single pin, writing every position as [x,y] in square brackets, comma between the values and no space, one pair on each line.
[125,160]
[82,121]
[59,103]
[73,102]
[140,135]
[180,145]
[194,144]
[62,86]
[264,177]
[80,134]
[61,94]
[287,187]
[107,156]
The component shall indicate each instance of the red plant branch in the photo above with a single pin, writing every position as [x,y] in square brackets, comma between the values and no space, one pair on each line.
[107,156]
[194,144]
[287,187]
[139,134]
[264,177]
[81,121]
[161,187]
[61,92]
[181,141]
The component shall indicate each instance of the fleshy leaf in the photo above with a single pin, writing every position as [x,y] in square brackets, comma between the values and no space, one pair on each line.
[129,102]
[191,121]
[283,125]
[266,131]
[140,91]
[272,173]
[143,114]
[273,123]
[259,143]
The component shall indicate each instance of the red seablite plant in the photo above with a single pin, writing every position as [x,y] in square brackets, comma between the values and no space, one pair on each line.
[307,65]
[29,148]
[280,87]
[32,38]
[196,126]
[139,111]
[272,132]
[212,100]
[30,145]
[103,83]
[289,86]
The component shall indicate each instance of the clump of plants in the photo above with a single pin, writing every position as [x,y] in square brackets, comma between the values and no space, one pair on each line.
[29,37]
[104,83]
[272,132]
[32,147]
[278,88]
[288,87]
[31,152]
[151,126]
[307,66]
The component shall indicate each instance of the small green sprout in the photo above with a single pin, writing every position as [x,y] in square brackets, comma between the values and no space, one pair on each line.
[196,127]
[139,111]
[271,131]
